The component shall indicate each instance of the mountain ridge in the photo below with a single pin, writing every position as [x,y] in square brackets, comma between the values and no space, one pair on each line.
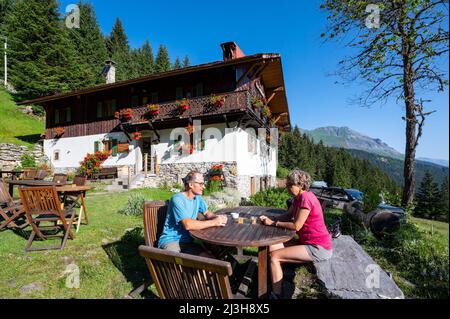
[345,137]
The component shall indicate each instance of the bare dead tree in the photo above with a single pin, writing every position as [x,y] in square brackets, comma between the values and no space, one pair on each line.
[399,45]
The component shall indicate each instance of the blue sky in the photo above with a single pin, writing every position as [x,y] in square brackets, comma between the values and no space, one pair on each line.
[291,28]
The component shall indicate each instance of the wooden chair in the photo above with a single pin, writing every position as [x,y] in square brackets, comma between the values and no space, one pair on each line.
[80,180]
[10,210]
[183,276]
[29,174]
[41,205]
[154,215]
[154,218]
[60,179]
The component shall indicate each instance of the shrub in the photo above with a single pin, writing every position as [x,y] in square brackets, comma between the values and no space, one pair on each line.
[134,206]
[282,172]
[38,110]
[213,186]
[273,197]
[27,161]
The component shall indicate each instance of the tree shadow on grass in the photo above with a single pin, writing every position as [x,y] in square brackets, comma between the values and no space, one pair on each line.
[125,256]
[32,139]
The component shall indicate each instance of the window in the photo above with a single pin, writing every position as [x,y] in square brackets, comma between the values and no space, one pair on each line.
[135,100]
[198,90]
[56,155]
[252,144]
[106,108]
[154,97]
[179,93]
[114,148]
[63,115]
[96,147]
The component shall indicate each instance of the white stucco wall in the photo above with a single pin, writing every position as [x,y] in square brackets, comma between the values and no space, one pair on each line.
[73,150]
[220,147]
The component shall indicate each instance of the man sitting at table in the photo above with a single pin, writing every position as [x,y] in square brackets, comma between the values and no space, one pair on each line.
[182,217]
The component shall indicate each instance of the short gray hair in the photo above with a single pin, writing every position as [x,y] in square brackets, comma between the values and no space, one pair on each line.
[190,178]
[299,178]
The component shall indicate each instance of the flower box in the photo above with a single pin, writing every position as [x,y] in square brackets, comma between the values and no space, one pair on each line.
[137,136]
[128,114]
[123,148]
[258,103]
[217,100]
[266,112]
[153,109]
[59,131]
[183,105]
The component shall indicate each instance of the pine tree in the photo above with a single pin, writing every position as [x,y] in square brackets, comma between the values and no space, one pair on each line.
[147,60]
[119,52]
[444,209]
[186,62]
[162,63]
[42,59]
[90,46]
[177,64]
[428,198]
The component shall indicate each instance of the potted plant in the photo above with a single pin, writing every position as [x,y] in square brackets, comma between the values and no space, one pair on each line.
[183,105]
[190,129]
[217,100]
[153,109]
[59,131]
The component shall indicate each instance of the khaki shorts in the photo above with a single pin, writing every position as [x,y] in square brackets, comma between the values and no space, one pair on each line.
[185,248]
[318,253]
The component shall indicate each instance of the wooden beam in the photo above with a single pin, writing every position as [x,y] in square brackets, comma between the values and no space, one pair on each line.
[245,74]
[274,92]
[279,117]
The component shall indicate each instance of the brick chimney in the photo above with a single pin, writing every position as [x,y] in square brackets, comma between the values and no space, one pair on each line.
[109,71]
[231,51]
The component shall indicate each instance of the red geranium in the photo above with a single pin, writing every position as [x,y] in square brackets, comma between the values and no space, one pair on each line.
[183,104]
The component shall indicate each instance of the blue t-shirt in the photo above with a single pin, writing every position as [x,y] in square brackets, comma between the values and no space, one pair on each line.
[181,207]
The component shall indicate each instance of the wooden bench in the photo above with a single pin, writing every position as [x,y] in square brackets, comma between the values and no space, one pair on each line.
[106,172]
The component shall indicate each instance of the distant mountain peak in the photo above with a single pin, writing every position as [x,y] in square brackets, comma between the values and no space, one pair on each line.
[345,137]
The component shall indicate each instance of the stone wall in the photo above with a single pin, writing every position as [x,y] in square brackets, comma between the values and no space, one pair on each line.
[172,174]
[10,154]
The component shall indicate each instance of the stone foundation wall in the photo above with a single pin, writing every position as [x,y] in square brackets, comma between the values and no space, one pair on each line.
[172,174]
[10,155]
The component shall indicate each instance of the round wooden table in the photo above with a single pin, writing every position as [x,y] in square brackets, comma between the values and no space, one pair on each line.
[248,235]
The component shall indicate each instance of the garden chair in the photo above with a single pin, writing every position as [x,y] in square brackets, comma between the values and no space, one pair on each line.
[29,174]
[80,180]
[42,205]
[154,218]
[10,210]
[183,276]
[60,179]
[154,215]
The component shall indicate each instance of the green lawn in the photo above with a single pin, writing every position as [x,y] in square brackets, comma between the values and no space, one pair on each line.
[16,127]
[105,252]
[432,226]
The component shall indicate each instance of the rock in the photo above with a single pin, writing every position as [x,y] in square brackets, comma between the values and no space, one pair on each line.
[68,260]
[30,288]
[352,274]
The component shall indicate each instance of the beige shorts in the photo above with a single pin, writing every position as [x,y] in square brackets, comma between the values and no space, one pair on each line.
[318,253]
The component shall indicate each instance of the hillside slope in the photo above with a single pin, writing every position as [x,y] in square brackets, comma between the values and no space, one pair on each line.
[394,167]
[15,126]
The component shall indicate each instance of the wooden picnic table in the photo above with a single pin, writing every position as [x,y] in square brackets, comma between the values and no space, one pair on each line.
[30,183]
[78,194]
[248,235]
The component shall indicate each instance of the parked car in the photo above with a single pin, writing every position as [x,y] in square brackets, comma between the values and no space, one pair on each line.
[356,195]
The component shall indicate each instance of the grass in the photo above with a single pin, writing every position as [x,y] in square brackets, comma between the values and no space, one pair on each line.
[15,126]
[105,252]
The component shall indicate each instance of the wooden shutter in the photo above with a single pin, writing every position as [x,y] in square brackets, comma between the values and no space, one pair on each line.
[96,146]
[114,148]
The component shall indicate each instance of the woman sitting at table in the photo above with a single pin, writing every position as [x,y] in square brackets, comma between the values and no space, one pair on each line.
[305,217]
